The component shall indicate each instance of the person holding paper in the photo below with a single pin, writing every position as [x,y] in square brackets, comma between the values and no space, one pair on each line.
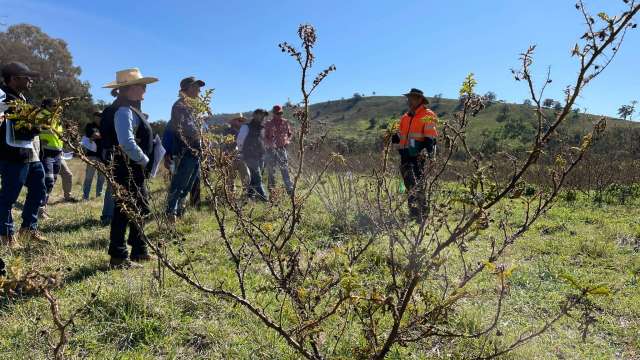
[133,149]
[19,161]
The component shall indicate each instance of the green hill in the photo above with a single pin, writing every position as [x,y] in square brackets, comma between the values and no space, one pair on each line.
[359,122]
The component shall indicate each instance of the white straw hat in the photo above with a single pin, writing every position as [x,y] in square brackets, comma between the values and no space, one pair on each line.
[129,77]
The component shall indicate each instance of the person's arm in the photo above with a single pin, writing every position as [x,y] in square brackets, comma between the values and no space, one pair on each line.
[289,132]
[124,124]
[242,136]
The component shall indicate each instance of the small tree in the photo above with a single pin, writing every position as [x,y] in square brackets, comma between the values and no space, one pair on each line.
[490,96]
[626,111]
[527,102]
[548,103]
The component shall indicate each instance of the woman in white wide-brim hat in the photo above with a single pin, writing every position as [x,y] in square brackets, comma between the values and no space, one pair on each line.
[132,161]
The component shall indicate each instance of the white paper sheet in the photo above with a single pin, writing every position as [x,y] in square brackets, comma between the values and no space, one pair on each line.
[158,154]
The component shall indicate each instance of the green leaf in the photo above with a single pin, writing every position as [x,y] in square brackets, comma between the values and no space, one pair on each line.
[599,290]
[571,280]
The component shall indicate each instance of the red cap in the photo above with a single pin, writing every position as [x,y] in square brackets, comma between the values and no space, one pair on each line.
[277,109]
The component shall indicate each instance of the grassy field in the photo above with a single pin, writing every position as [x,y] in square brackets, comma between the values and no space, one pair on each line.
[134,319]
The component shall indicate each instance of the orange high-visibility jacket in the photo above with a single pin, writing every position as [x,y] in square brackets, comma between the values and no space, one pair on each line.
[418,127]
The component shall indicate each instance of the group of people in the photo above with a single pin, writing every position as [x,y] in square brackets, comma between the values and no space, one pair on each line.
[122,137]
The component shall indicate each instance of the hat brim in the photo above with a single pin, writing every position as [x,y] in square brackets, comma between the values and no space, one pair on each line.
[426,101]
[141,81]
[34,74]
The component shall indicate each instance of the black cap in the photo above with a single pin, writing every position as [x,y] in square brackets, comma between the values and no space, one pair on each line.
[260,111]
[417,92]
[16,68]
[186,82]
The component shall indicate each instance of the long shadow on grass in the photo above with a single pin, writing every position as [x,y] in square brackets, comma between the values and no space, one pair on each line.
[69,227]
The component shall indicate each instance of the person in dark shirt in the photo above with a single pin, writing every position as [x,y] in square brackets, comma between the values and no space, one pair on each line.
[20,164]
[252,149]
[186,148]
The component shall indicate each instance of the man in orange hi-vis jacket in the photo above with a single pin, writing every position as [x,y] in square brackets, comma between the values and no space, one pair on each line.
[416,142]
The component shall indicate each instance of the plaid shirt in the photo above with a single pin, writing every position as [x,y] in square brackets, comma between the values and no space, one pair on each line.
[277,133]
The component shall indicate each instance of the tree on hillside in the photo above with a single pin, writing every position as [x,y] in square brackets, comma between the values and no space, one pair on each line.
[490,96]
[52,59]
[527,102]
[548,103]
[504,113]
[626,111]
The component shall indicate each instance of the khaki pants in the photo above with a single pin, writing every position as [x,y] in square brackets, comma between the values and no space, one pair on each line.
[67,178]
[238,169]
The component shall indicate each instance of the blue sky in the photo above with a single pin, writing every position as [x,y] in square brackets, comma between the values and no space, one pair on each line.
[377,45]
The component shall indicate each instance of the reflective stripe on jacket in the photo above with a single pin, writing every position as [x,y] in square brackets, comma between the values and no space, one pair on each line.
[419,127]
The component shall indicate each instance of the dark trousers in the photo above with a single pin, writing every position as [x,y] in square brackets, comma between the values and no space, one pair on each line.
[412,170]
[52,162]
[13,177]
[195,196]
[182,182]
[132,178]
[256,188]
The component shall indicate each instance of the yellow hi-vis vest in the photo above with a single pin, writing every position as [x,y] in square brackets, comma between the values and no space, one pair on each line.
[48,138]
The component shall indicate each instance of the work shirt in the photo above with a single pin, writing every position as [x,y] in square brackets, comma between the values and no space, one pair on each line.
[417,130]
[277,133]
[11,153]
[184,126]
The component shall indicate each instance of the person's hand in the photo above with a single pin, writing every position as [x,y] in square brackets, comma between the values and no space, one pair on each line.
[168,161]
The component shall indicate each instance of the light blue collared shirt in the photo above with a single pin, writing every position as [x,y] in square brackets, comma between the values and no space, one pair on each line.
[126,123]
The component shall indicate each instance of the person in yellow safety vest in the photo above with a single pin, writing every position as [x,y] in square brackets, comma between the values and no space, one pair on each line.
[416,141]
[51,148]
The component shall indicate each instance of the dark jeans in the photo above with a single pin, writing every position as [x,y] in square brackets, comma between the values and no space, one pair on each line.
[187,171]
[132,178]
[52,162]
[412,170]
[107,206]
[14,177]
[255,189]
[278,158]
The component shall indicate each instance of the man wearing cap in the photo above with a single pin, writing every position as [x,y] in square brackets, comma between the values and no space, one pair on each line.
[186,147]
[416,141]
[277,138]
[19,161]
